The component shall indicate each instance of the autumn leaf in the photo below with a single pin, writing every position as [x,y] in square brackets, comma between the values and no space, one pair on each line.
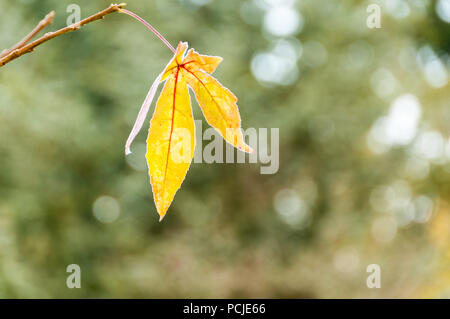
[218,104]
[171,138]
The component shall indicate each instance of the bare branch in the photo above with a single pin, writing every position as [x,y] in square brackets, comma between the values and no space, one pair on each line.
[42,24]
[15,53]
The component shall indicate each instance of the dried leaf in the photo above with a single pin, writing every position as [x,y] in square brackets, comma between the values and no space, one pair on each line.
[142,113]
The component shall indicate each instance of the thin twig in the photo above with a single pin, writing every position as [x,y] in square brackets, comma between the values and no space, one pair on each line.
[50,35]
[41,25]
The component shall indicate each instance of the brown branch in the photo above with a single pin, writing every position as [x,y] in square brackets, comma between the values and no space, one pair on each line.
[15,53]
[42,24]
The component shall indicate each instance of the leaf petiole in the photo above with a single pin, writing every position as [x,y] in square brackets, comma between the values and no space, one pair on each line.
[159,35]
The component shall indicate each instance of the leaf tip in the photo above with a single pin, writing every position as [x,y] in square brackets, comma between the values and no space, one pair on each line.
[245,148]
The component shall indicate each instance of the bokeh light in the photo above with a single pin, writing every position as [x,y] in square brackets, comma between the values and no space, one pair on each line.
[106,209]
[443,10]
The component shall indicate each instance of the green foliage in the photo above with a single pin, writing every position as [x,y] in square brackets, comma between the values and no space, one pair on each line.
[66,111]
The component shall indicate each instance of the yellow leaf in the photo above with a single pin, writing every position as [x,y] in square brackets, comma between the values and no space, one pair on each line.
[218,105]
[171,140]
[171,137]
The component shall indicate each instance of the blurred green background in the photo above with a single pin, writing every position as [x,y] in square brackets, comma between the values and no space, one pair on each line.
[364,172]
